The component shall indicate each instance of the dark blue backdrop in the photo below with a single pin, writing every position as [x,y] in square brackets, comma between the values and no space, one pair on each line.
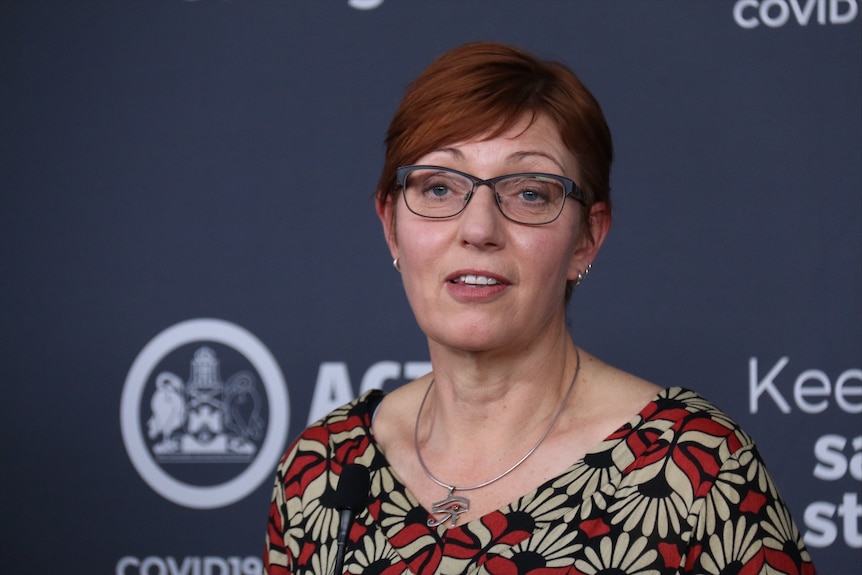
[172,161]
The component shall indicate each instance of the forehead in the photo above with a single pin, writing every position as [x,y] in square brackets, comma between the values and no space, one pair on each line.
[531,141]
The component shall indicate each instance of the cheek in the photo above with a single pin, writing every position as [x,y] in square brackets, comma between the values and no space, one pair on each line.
[420,241]
[553,251]
[419,251]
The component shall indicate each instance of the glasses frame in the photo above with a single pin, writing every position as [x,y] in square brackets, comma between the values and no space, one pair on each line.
[570,188]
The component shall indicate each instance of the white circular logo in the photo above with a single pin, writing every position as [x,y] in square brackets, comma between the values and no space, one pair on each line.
[364,4]
[210,441]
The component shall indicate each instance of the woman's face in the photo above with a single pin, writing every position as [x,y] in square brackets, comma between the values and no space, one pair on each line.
[446,264]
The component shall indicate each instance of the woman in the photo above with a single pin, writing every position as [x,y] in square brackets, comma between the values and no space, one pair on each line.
[520,452]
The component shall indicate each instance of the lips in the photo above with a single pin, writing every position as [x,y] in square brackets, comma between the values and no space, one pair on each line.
[471,286]
[476,280]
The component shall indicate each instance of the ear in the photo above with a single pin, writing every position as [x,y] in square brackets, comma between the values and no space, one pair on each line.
[588,249]
[386,213]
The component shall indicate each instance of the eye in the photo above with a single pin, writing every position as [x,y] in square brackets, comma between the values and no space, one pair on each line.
[438,190]
[440,185]
[532,190]
[531,196]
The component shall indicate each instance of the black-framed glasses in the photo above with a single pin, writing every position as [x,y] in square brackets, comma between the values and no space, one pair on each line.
[530,198]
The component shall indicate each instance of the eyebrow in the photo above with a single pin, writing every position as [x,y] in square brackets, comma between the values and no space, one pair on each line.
[527,154]
[515,156]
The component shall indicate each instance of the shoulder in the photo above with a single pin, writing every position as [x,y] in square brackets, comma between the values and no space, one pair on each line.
[683,419]
[645,416]
[358,412]
[342,435]
[686,407]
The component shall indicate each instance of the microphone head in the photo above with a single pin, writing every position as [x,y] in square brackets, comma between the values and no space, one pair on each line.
[353,487]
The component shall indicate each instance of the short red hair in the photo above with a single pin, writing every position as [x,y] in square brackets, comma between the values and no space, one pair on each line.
[484,88]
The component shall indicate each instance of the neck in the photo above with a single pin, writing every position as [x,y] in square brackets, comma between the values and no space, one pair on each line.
[495,403]
[454,505]
[482,379]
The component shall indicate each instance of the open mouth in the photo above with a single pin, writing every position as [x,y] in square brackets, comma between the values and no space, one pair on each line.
[475,280]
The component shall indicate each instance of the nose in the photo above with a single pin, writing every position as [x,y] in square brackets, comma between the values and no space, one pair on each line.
[481,223]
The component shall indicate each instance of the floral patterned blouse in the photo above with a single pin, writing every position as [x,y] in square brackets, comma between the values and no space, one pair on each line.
[678,489]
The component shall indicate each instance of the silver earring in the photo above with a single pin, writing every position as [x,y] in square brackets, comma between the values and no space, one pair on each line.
[582,275]
[396,265]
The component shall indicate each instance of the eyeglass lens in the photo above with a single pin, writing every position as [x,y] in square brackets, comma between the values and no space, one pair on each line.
[524,198]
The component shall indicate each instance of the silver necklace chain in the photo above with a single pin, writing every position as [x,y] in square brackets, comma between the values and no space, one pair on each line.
[453,506]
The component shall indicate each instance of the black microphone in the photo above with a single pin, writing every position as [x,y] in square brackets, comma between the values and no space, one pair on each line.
[351,496]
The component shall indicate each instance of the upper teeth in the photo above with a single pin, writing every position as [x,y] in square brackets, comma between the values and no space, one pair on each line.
[477,280]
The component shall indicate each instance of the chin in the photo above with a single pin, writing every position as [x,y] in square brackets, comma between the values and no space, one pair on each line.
[472,341]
